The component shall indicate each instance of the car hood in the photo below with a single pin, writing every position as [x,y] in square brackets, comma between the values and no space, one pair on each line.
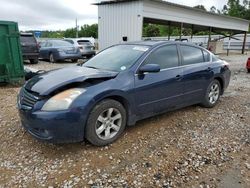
[48,82]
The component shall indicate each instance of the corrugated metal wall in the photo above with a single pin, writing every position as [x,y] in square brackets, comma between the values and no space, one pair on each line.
[118,20]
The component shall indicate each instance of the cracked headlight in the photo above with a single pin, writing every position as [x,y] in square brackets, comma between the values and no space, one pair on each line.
[62,100]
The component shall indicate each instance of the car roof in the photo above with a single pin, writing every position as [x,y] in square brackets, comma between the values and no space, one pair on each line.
[26,34]
[154,43]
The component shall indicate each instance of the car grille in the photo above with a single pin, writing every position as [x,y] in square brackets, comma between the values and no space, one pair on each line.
[27,99]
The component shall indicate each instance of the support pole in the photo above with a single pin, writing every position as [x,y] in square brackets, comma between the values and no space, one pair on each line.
[229,44]
[181,30]
[244,43]
[192,32]
[169,32]
[209,37]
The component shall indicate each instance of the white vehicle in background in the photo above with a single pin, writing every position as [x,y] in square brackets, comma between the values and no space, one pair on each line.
[85,45]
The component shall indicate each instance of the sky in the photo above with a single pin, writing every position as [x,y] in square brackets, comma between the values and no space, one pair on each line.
[61,14]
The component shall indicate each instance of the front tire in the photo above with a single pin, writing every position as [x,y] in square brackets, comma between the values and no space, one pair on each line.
[248,70]
[51,58]
[213,93]
[33,61]
[106,123]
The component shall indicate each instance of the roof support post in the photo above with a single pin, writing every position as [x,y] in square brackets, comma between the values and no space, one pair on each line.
[229,44]
[209,37]
[244,43]
[181,30]
[169,32]
[192,32]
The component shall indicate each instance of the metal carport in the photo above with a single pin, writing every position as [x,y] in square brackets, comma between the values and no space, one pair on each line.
[122,20]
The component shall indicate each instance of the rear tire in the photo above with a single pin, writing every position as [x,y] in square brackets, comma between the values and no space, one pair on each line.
[33,61]
[74,60]
[89,56]
[51,58]
[213,93]
[106,122]
[248,70]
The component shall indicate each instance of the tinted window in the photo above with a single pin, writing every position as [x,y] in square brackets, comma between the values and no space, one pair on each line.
[191,55]
[84,43]
[206,56]
[27,39]
[166,57]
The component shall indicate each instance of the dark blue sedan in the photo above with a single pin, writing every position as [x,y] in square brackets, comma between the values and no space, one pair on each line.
[59,50]
[119,86]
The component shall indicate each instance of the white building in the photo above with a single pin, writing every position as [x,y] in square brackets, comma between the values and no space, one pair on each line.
[122,20]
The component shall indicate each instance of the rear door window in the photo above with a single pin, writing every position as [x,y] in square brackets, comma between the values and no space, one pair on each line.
[84,42]
[191,55]
[206,56]
[166,57]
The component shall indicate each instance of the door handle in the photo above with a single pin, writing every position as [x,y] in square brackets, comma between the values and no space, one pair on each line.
[209,69]
[178,77]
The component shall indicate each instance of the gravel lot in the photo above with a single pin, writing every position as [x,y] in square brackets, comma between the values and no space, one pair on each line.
[192,147]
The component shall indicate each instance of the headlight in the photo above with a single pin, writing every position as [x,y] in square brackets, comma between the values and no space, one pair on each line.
[63,100]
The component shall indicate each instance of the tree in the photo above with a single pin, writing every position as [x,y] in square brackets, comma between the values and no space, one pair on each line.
[236,9]
[213,9]
[70,33]
[151,30]
[201,7]
[89,31]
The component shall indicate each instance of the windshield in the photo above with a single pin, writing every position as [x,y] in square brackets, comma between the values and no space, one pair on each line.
[117,58]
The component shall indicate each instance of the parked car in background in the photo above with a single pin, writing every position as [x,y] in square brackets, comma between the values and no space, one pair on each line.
[30,48]
[85,46]
[117,87]
[59,50]
[248,65]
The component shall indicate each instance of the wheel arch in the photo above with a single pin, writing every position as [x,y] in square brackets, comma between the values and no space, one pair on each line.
[124,100]
[221,81]
[125,103]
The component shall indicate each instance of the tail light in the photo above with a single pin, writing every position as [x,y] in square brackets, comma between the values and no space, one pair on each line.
[248,62]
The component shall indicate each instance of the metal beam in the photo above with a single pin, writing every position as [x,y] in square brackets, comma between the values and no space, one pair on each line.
[181,30]
[169,32]
[209,37]
[244,43]
[192,32]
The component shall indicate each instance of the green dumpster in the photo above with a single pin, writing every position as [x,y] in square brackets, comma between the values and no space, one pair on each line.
[11,62]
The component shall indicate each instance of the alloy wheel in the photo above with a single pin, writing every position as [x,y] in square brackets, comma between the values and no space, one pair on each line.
[108,124]
[214,93]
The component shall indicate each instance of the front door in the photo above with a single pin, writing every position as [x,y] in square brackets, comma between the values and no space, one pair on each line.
[158,92]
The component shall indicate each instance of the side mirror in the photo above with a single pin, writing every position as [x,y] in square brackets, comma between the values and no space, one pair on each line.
[150,68]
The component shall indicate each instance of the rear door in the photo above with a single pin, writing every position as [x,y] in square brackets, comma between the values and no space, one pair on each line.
[45,50]
[158,92]
[197,72]
[28,44]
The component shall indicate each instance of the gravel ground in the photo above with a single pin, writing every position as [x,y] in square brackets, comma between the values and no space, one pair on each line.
[192,147]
